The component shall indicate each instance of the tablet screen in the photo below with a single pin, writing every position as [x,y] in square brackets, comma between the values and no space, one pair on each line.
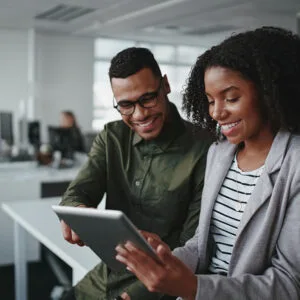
[102,231]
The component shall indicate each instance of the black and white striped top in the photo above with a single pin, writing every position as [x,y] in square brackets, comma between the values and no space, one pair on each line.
[227,213]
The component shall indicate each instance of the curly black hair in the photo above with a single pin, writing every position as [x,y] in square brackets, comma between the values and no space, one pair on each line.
[131,60]
[267,56]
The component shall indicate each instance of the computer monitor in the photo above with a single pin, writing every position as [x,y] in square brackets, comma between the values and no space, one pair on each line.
[34,137]
[61,140]
[6,127]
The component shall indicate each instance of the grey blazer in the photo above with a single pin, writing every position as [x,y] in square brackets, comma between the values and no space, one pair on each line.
[265,262]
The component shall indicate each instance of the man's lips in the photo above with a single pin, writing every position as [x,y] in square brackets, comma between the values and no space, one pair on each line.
[144,124]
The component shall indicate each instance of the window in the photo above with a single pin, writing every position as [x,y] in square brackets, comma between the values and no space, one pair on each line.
[174,61]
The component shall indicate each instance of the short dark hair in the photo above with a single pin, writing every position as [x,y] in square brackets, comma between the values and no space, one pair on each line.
[131,60]
[267,56]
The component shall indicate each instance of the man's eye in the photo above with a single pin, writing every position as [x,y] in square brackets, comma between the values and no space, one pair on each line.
[148,98]
[211,102]
[124,104]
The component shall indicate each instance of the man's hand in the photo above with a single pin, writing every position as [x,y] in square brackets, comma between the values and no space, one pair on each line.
[69,235]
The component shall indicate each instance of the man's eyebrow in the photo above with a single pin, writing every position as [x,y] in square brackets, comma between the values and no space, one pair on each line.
[142,96]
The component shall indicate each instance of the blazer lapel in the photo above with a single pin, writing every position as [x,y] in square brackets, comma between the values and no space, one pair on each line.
[264,186]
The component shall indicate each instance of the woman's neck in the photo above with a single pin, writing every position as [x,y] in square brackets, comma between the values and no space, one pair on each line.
[253,153]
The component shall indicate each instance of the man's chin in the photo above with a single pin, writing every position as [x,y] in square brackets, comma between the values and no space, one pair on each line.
[148,135]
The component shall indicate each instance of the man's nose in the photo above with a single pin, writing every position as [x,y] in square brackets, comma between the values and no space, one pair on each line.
[139,111]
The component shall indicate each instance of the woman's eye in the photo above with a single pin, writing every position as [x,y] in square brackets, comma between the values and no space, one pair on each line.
[232,99]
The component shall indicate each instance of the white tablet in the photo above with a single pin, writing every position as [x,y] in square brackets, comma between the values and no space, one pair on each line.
[102,231]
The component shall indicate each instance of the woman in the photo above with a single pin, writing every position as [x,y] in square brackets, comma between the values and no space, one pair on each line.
[247,242]
[68,120]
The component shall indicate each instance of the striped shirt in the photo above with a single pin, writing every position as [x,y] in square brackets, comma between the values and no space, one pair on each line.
[227,213]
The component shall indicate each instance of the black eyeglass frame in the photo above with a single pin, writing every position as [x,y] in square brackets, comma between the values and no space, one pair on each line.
[140,100]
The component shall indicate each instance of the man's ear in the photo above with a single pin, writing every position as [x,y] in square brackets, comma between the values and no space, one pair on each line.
[166,84]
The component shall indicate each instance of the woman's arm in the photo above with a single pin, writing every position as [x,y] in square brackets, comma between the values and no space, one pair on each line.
[168,275]
[280,281]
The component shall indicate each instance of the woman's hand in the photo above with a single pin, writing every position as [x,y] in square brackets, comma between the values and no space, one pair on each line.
[153,239]
[168,275]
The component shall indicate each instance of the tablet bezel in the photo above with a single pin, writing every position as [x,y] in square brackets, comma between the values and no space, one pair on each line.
[117,230]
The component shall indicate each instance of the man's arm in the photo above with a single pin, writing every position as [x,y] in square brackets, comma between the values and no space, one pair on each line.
[89,185]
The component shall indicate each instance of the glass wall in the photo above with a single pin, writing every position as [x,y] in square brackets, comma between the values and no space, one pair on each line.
[175,61]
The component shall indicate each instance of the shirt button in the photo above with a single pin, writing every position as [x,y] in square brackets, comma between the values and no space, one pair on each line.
[137,183]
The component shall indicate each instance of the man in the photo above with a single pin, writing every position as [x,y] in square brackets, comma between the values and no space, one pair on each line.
[150,165]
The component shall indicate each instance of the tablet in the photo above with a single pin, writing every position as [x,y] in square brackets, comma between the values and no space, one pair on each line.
[102,231]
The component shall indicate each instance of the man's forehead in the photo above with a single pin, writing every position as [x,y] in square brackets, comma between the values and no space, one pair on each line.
[133,87]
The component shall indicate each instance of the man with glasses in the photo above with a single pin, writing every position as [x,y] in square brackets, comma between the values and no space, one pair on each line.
[150,165]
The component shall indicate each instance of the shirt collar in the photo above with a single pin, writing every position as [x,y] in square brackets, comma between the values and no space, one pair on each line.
[172,129]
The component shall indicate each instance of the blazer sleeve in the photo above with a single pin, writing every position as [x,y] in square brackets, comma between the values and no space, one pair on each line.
[280,281]
[188,254]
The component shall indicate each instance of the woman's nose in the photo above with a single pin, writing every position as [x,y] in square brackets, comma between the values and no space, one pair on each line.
[219,112]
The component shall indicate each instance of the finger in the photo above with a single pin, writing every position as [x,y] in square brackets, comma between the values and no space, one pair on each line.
[129,246]
[76,239]
[165,255]
[139,262]
[147,234]
[125,296]
[134,263]
[80,243]
[153,242]
[121,250]
[66,231]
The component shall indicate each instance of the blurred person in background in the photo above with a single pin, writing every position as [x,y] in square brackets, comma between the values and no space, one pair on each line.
[68,120]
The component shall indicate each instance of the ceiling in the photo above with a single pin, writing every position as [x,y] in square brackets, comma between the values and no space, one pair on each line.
[193,22]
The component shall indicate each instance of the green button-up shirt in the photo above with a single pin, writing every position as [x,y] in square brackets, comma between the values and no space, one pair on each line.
[157,184]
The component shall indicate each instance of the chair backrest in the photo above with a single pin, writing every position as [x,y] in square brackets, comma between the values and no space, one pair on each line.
[88,140]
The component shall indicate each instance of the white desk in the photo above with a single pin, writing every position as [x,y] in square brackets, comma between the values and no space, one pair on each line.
[38,219]
[21,181]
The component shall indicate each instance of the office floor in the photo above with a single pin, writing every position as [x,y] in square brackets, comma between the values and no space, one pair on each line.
[41,281]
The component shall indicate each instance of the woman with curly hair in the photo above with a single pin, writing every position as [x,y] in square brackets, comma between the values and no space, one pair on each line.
[246,92]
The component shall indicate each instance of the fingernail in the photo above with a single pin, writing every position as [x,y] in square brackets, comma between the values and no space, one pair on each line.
[118,257]
[129,245]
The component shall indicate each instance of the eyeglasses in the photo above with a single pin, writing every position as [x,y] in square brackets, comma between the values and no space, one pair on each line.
[148,100]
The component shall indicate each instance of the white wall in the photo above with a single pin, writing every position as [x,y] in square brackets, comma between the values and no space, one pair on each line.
[64,78]
[13,71]
[58,77]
